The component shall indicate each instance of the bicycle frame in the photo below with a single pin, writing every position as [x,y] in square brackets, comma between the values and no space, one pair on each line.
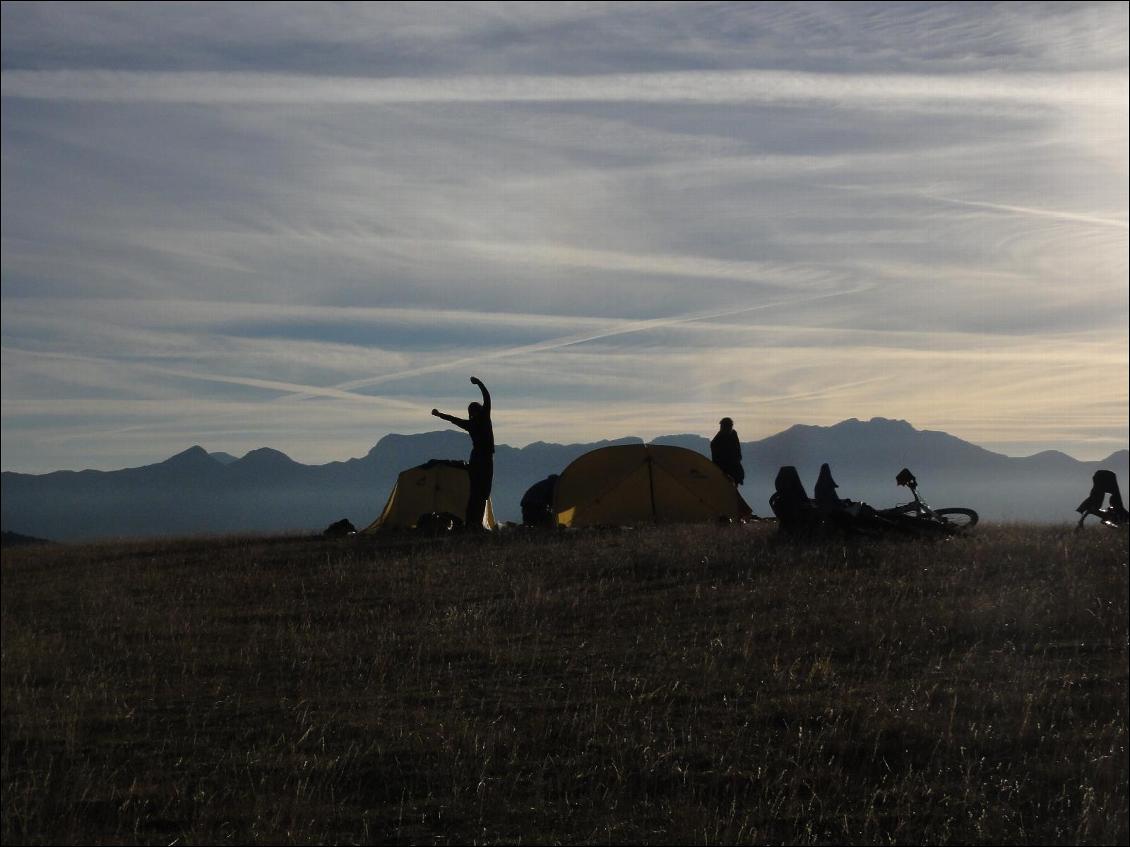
[921,507]
[956,518]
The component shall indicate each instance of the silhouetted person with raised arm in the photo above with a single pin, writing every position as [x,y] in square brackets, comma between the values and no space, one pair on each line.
[726,451]
[481,465]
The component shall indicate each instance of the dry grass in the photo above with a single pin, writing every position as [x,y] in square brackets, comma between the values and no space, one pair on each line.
[674,685]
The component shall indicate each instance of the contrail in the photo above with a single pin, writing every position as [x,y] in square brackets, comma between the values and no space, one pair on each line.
[289,388]
[345,390]
[824,391]
[1055,214]
[1039,213]
[580,338]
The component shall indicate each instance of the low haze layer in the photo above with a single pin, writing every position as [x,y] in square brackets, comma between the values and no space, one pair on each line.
[305,225]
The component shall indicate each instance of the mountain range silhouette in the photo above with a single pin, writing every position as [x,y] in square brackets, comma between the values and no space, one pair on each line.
[197,492]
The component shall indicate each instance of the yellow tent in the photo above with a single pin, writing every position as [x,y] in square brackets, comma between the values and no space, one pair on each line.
[439,487]
[644,483]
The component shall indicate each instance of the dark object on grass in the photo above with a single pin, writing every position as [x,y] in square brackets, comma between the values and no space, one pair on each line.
[438,523]
[826,496]
[15,539]
[796,513]
[1102,484]
[339,529]
[537,503]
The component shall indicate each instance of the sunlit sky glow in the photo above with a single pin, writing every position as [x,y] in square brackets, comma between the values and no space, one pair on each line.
[305,225]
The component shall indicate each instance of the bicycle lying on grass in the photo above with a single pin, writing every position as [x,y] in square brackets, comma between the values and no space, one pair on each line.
[949,520]
[801,517]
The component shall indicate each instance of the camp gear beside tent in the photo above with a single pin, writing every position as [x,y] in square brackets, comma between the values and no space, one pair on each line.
[801,517]
[438,487]
[1104,483]
[629,484]
[796,512]
[339,529]
[537,503]
[826,496]
[438,523]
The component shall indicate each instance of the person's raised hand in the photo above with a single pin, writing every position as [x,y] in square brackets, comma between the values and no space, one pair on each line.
[476,381]
[435,412]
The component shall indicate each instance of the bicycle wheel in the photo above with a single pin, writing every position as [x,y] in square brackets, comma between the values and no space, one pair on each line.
[960,519]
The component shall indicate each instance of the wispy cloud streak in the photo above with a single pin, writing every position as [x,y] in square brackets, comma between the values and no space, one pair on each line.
[717,87]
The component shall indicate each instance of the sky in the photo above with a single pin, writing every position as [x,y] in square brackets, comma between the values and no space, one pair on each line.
[304,226]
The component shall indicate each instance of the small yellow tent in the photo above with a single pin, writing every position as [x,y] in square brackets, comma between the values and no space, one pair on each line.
[644,483]
[439,487]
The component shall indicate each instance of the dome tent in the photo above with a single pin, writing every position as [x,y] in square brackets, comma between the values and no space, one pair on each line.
[440,486]
[644,483]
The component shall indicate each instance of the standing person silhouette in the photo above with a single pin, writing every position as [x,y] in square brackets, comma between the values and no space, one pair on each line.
[481,465]
[726,451]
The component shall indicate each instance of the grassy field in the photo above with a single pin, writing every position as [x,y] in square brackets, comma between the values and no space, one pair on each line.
[673,685]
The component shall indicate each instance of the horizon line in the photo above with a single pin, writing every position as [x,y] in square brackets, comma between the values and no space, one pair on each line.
[639,438]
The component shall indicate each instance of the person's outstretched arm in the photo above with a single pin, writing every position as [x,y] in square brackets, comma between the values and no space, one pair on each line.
[459,422]
[486,394]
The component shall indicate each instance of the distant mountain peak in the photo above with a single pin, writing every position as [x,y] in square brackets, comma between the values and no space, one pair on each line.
[194,455]
[851,425]
[898,423]
[194,450]
[1051,454]
[395,440]
[266,454]
[876,423]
